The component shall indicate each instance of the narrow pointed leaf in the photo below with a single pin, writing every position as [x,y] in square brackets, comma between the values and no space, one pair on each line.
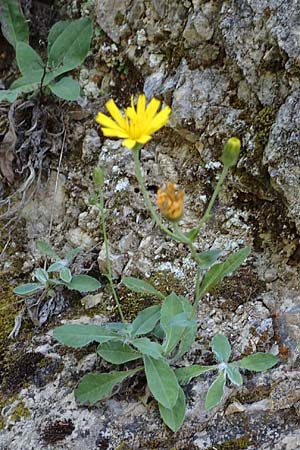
[186,374]
[141,287]
[147,347]
[187,339]
[44,248]
[221,347]
[96,386]
[162,381]
[13,24]
[117,352]
[192,234]
[217,272]
[233,374]
[72,254]
[28,288]
[146,320]
[79,335]
[206,259]
[171,306]
[216,391]
[258,362]
[174,417]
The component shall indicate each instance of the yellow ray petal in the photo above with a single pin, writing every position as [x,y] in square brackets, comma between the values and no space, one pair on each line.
[141,105]
[130,113]
[152,108]
[143,139]
[129,143]
[115,113]
[159,120]
[113,132]
[106,121]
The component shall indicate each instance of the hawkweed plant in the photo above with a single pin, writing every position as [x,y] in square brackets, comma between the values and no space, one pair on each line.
[160,334]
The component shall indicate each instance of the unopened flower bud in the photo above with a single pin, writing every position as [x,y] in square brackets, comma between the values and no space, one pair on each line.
[170,202]
[231,152]
[98,177]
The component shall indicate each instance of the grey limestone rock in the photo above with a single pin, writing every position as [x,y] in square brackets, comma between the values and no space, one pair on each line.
[282,155]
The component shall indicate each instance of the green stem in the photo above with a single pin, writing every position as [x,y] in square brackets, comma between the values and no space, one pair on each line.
[108,264]
[154,215]
[213,199]
[197,288]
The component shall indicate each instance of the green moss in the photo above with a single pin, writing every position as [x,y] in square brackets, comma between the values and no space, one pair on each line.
[20,411]
[123,446]
[235,444]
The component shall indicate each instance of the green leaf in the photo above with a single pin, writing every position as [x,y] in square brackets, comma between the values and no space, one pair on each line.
[65,275]
[216,391]
[206,259]
[258,362]
[41,275]
[55,31]
[158,332]
[192,234]
[58,266]
[28,288]
[174,417]
[80,335]
[221,347]
[141,287]
[171,306]
[187,339]
[66,88]
[117,352]
[162,381]
[84,283]
[96,386]
[9,95]
[186,374]
[147,347]
[233,373]
[29,60]
[217,272]
[44,248]
[182,320]
[70,46]
[13,24]
[146,320]
[71,254]
[24,85]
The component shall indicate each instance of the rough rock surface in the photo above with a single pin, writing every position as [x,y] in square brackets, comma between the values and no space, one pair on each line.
[226,68]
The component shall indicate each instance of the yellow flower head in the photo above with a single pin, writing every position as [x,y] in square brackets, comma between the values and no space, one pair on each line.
[139,123]
[170,201]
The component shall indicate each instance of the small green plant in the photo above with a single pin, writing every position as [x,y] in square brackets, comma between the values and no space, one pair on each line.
[160,334]
[57,274]
[68,45]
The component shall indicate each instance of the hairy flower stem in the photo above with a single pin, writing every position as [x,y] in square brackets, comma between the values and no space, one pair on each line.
[213,199]
[154,215]
[108,263]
